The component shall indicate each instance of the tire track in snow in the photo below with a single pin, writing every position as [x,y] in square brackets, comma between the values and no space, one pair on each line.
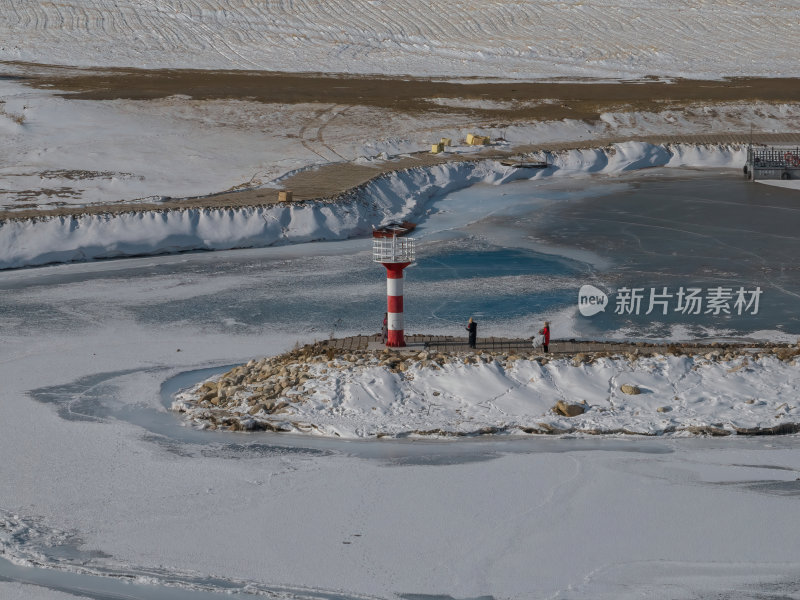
[320,137]
[310,134]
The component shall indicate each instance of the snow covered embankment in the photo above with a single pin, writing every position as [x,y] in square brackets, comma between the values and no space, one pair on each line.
[396,196]
[370,394]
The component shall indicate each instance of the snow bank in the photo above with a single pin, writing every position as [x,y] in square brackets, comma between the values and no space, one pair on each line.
[396,196]
[425,394]
[791,184]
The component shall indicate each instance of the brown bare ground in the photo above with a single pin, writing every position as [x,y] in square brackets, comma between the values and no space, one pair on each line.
[575,100]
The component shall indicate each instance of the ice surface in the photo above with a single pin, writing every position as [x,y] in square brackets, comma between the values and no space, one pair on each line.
[17,591]
[508,254]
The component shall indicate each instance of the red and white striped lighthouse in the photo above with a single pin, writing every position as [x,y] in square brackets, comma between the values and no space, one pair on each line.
[395,254]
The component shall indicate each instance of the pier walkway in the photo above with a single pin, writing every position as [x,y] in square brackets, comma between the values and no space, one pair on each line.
[449,344]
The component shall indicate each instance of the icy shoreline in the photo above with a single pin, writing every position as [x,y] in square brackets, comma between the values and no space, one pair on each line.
[396,196]
[379,394]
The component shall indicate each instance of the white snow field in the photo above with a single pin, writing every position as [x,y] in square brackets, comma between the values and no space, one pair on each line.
[495,38]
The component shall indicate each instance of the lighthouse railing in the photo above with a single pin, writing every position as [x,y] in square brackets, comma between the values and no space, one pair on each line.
[393,250]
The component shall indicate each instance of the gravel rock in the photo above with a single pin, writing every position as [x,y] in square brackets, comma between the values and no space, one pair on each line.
[569,410]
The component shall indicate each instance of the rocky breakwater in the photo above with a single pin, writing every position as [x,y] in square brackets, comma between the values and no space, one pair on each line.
[255,396]
[269,394]
[324,390]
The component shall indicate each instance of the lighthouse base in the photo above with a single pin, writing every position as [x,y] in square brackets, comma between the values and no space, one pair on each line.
[396,338]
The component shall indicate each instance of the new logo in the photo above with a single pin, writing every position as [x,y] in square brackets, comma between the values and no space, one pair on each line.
[591,300]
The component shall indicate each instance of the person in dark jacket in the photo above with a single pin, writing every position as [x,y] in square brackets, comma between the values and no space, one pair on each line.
[385,327]
[472,328]
[545,333]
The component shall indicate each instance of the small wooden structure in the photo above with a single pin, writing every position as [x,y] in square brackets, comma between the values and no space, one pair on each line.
[477,140]
[772,162]
[285,196]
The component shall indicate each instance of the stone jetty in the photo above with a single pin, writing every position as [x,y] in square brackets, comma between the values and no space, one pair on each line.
[261,394]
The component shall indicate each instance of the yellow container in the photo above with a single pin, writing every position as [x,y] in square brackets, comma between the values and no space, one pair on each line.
[477,140]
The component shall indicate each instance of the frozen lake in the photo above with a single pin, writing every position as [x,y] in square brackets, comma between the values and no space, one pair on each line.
[100,481]
[663,230]
[508,255]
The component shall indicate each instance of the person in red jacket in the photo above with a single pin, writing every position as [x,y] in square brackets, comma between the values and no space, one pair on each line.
[545,332]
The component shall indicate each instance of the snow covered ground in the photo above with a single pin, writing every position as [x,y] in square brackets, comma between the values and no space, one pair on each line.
[500,38]
[99,478]
[58,152]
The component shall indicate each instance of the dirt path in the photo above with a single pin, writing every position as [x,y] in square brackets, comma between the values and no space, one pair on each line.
[523,100]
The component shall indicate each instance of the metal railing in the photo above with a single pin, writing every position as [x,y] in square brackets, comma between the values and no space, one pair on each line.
[762,158]
[393,250]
